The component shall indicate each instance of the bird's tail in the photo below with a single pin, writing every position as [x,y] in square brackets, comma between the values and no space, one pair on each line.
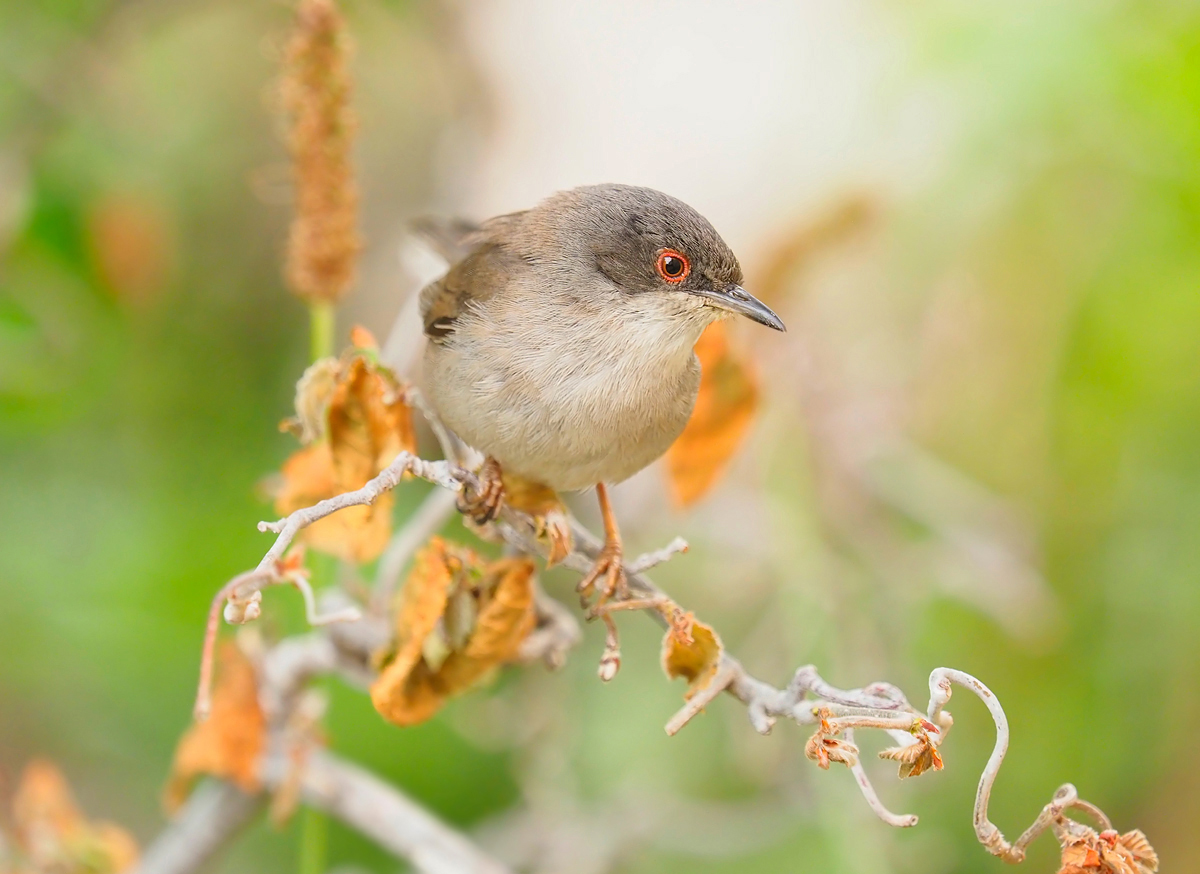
[451,238]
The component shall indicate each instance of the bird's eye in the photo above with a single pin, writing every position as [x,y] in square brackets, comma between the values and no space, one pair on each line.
[672,266]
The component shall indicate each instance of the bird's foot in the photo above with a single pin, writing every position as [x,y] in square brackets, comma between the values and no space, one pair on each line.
[606,580]
[483,505]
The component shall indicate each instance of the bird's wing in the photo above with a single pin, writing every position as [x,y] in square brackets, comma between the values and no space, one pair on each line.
[480,265]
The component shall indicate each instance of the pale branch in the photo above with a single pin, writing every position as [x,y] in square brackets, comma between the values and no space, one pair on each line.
[248,610]
[652,559]
[379,811]
[295,765]
[898,820]
[438,472]
[243,594]
[807,699]
[940,689]
[340,788]
[212,815]
[313,617]
[556,633]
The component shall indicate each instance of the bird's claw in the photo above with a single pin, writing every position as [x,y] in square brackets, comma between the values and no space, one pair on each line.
[607,577]
[483,505]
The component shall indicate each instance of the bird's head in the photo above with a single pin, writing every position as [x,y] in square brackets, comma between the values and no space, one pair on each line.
[656,250]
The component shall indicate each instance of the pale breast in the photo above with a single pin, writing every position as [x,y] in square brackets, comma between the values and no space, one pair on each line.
[566,398]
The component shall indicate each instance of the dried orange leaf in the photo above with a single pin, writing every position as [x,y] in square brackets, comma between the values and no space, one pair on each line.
[314,390]
[402,692]
[358,408]
[228,743]
[54,834]
[823,749]
[548,512]
[457,620]
[1138,846]
[915,759]
[691,650]
[132,246]
[505,620]
[725,408]
[369,423]
[1109,853]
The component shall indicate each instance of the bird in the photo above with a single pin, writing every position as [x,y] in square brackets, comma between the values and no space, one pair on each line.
[560,343]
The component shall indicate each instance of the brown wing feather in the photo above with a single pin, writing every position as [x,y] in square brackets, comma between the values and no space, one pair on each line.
[481,268]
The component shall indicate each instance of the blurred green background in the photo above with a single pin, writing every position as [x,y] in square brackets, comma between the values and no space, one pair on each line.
[1038,276]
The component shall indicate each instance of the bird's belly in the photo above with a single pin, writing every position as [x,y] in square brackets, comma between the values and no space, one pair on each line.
[568,426]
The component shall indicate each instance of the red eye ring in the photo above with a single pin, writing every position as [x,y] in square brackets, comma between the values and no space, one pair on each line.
[672,266]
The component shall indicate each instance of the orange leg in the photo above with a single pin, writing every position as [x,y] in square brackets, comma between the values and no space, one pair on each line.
[608,562]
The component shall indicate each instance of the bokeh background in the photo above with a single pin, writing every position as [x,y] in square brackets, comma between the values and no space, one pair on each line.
[979,444]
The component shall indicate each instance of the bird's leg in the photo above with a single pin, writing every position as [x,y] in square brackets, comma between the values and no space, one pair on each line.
[483,505]
[608,563]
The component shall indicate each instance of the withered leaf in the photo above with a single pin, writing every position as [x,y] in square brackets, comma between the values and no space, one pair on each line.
[1109,853]
[725,408]
[915,759]
[547,510]
[1079,859]
[51,831]
[444,644]
[314,389]
[1138,846]
[691,650]
[229,742]
[353,411]
[823,748]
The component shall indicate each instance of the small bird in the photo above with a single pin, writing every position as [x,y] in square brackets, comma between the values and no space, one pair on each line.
[560,342]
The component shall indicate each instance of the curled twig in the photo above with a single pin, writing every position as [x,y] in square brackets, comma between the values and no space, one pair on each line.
[940,690]
[898,820]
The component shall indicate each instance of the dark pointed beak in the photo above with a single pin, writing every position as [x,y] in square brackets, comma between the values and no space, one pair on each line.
[737,300]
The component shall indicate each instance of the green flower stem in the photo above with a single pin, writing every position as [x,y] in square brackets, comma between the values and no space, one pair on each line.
[321,325]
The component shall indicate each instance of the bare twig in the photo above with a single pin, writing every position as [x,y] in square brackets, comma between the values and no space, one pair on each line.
[652,559]
[899,820]
[242,594]
[213,814]
[311,614]
[438,472]
[367,804]
[557,632]
[940,689]
[251,610]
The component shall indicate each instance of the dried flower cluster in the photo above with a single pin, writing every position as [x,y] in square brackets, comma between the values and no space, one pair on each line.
[324,244]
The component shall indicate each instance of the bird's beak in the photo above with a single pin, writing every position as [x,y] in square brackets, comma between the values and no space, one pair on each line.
[736,299]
